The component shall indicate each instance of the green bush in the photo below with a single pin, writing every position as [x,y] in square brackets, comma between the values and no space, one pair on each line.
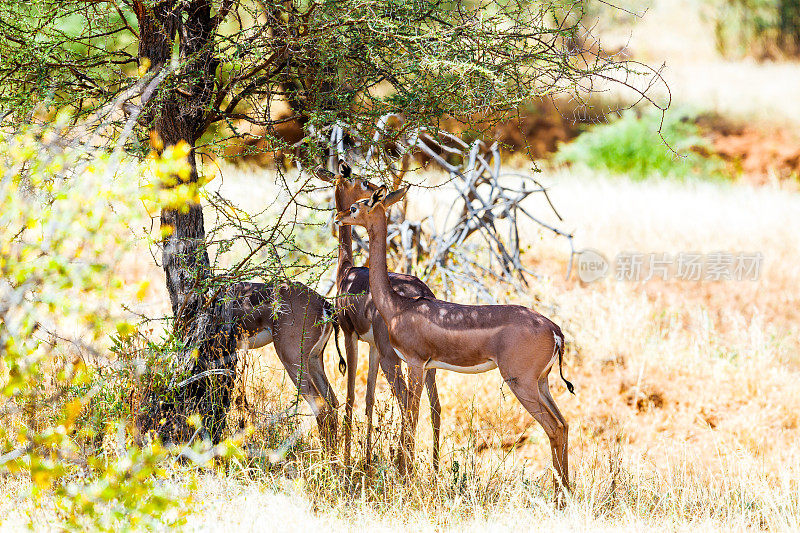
[632,145]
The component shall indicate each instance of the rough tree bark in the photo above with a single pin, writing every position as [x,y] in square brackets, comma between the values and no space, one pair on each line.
[179,112]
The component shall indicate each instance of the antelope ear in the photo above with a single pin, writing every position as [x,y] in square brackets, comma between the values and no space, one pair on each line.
[344,169]
[378,196]
[324,175]
[394,197]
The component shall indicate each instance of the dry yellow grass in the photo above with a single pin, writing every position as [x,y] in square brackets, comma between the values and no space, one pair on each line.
[686,412]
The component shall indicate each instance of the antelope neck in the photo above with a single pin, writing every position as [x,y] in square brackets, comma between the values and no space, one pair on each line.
[345,253]
[386,299]
[345,248]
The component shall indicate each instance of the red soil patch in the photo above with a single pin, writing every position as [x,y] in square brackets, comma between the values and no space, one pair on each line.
[760,154]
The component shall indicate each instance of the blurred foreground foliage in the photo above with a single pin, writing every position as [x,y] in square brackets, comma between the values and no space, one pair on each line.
[630,145]
[65,400]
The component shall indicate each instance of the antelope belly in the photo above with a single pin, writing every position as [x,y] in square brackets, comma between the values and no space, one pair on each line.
[368,337]
[262,338]
[474,369]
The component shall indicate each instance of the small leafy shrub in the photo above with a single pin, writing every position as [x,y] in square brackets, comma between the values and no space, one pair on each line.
[632,145]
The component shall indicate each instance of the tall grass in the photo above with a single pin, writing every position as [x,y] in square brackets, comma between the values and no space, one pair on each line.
[685,416]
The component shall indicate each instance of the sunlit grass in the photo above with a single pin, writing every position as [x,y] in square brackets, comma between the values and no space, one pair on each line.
[685,415]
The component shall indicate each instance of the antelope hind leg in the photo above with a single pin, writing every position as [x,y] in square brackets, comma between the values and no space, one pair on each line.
[531,399]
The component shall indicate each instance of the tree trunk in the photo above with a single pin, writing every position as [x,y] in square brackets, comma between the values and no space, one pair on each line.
[202,321]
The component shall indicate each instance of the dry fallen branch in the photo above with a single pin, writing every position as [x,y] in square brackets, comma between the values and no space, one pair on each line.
[470,243]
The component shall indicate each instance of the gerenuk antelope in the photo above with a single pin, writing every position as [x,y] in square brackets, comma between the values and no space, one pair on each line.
[433,334]
[359,318]
[299,322]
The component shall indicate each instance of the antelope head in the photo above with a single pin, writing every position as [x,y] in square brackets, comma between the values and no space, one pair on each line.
[368,211]
[349,189]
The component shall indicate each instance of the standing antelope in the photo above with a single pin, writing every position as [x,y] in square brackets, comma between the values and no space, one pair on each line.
[429,334]
[358,317]
[298,321]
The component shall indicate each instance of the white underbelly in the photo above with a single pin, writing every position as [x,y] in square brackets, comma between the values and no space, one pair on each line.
[262,338]
[474,369]
[439,365]
[368,337]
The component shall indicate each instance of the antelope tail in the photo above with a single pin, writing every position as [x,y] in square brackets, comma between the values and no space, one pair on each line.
[335,321]
[559,348]
[342,363]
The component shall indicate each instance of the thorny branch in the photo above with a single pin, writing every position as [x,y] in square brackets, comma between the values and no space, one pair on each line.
[480,234]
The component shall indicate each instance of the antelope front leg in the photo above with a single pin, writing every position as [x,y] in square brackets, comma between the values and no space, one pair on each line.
[372,377]
[390,364]
[351,352]
[436,414]
[416,380]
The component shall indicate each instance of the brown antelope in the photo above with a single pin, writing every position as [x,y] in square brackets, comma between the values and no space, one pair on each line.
[433,334]
[299,322]
[359,318]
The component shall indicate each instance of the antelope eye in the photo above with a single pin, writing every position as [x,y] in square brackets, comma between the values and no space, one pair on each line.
[353,209]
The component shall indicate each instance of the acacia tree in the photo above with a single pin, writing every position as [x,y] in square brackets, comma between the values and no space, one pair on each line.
[183,72]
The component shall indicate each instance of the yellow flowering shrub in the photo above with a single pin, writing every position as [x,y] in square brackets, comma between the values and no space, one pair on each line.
[65,224]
